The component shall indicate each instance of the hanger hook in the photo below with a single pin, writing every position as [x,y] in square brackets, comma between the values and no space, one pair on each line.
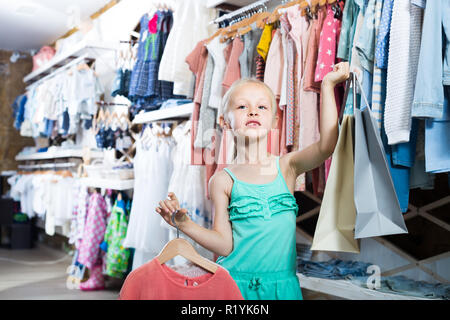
[173,221]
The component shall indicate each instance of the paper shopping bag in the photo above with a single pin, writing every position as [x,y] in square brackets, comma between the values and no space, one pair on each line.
[335,226]
[377,206]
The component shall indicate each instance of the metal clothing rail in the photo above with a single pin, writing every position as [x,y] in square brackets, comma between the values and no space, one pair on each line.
[84,57]
[239,11]
[48,165]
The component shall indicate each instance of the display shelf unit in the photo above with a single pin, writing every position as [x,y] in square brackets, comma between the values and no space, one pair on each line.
[181,111]
[347,290]
[65,153]
[80,51]
[108,183]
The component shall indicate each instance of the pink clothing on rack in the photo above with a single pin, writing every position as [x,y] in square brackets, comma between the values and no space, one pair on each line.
[308,107]
[94,231]
[197,64]
[313,47]
[329,37]
[196,61]
[156,281]
[96,280]
[233,68]
[274,65]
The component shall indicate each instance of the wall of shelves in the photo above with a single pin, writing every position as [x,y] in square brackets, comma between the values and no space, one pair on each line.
[182,111]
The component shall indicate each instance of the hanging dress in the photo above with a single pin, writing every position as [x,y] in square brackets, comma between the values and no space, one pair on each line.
[263,260]
[152,171]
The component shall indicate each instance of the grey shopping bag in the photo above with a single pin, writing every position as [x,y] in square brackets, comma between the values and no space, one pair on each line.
[378,211]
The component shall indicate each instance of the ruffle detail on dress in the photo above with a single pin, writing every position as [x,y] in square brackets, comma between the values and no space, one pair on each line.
[283,202]
[249,206]
[244,207]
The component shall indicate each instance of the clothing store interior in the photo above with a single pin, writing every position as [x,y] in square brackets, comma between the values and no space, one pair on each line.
[115,108]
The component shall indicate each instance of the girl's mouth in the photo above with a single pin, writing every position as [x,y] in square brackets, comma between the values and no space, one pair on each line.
[252,123]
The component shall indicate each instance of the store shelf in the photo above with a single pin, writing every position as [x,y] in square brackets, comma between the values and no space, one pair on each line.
[82,49]
[239,3]
[64,153]
[347,290]
[182,111]
[108,183]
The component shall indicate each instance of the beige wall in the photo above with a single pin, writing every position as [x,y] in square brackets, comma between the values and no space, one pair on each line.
[11,85]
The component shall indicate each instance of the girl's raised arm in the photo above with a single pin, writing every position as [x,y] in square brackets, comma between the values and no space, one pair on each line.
[314,155]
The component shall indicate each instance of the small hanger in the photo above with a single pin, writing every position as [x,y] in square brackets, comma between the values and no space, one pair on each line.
[127,121]
[181,247]
[275,16]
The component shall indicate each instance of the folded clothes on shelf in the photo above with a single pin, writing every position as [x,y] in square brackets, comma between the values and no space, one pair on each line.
[356,273]
[332,269]
[174,102]
[409,287]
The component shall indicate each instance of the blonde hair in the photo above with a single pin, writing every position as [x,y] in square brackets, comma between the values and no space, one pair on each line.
[236,85]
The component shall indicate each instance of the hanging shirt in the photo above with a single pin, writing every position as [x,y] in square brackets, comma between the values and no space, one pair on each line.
[232,69]
[274,65]
[329,37]
[191,23]
[265,41]
[156,281]
[116,255]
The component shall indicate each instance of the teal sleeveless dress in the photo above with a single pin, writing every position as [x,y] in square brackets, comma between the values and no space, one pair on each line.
[263,260]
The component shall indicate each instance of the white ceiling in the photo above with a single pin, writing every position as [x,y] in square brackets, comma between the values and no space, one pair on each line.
[30,24]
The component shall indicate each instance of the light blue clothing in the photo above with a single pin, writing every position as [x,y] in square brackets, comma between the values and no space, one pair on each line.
[382,47]
[432,71]
[403,154]
[367,87]
[419,178]
[400,174]
[174,103]
[437,140]
[404,286]
[332,269]
[419,3]
[365,45]
[349,17]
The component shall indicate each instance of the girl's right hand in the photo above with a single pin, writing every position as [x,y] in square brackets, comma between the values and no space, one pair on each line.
[168,207]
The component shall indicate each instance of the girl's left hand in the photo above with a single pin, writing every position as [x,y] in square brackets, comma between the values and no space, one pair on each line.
[339,74]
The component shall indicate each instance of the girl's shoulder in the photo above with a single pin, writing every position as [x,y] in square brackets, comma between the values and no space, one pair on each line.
[221,181]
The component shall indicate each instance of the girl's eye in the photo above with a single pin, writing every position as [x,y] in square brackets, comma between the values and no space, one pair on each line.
[241,107]
[262,107]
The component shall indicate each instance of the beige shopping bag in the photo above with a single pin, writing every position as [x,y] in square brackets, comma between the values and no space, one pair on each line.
[336,223]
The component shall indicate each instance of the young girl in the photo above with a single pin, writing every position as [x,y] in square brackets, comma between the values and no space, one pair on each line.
[255,210]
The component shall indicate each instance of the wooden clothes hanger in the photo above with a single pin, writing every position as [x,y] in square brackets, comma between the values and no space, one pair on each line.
[275,15]
[181,247]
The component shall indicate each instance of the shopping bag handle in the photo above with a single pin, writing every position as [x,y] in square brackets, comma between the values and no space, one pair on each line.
[349,82]
[352,81]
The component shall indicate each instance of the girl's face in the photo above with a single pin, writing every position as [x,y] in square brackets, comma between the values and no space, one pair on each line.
[250,111]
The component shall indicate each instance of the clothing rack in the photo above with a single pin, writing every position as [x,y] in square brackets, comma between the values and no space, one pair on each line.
[84,57]
[103,103]
[241,12]
[129,41]
[48,166]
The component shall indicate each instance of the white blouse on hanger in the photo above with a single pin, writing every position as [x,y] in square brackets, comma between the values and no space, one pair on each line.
[216,50]
[191,20]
